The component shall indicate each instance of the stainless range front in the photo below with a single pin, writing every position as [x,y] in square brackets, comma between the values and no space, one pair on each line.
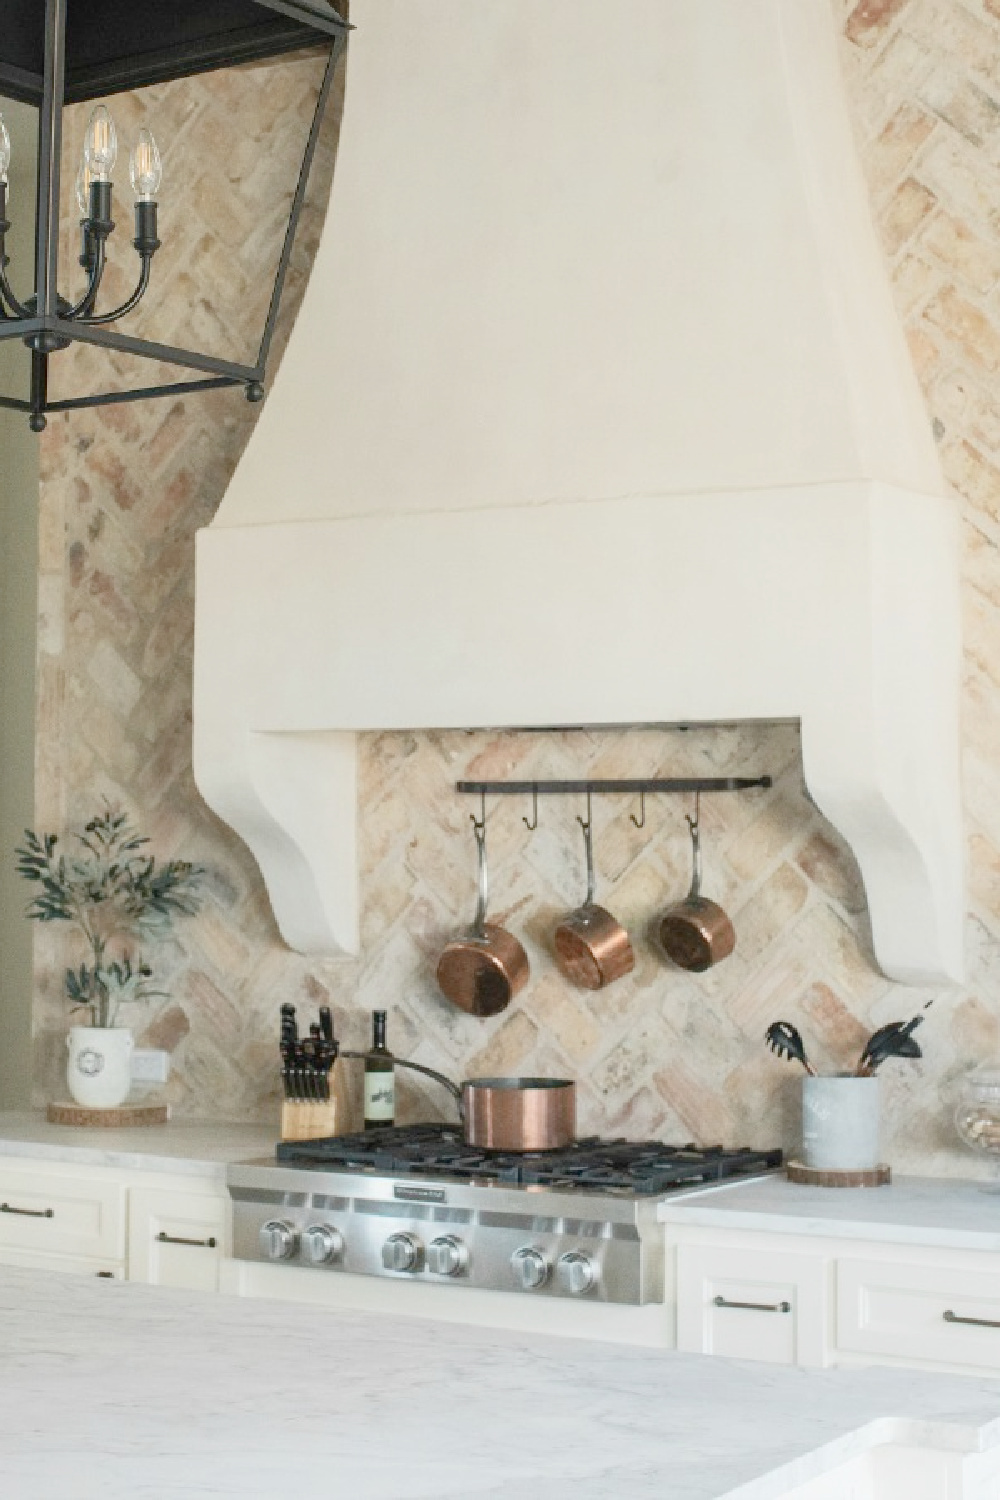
[496,1238]
[412,1206]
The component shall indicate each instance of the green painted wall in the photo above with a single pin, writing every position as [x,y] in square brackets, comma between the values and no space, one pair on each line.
[18,611]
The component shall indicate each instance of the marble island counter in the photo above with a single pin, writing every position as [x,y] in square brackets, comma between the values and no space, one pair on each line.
[129,1392]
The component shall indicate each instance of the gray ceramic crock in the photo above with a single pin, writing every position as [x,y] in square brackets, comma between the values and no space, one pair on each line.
[840,1123]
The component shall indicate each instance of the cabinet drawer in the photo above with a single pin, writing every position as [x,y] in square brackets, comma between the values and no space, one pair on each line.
[75,1265]
[751,1304]
[940,1314]
[176,1239]
[62,1213]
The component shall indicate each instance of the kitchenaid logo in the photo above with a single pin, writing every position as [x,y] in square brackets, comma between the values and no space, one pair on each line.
[419,1194]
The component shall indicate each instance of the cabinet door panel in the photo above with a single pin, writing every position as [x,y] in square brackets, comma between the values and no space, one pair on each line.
[938,1314]
[176,1239]
[751,1304]
[61,1213]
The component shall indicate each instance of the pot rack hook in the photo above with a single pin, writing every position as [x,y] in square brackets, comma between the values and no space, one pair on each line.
[585,823]
[479,824]
[534,810]
[640,821]
[695,823]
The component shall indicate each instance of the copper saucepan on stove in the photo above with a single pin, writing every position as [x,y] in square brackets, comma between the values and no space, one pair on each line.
[592,948]
[508,1114]
[696,933]
[483,970]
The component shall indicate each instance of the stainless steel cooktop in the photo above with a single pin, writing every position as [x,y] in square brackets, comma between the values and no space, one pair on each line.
[418,1203]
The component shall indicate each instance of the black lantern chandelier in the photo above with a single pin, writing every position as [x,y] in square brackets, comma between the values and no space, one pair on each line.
[71,51]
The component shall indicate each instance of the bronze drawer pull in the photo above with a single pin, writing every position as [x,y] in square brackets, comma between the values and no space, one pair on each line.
[105,1275]
[176,1239]
[781,1307]
[29,1213]
[953,1317]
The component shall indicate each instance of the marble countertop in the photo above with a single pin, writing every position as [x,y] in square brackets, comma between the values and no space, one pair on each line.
[118,1391]
[196,1148]
[938,1211]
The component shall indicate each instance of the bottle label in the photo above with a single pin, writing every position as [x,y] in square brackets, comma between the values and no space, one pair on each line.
[380,1096]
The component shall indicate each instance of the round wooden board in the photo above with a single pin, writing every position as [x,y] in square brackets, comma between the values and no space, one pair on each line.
[818,1177]
[124,1116]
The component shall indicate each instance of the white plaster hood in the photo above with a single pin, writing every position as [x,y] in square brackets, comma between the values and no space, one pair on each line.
[597,411]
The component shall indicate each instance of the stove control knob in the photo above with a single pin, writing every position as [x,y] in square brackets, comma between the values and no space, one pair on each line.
[447,1256]
[530,1267]
[575,1272]
[402,1252]
[278,1240]
[322,1244]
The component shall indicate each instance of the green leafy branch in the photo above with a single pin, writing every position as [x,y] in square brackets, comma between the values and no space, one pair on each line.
[111,890]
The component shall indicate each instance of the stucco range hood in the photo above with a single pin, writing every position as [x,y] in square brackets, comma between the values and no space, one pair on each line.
[598,382]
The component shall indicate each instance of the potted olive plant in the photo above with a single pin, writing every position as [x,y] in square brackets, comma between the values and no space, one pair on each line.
[116,895]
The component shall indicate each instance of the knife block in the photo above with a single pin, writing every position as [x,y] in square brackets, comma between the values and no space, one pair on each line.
[312,1119]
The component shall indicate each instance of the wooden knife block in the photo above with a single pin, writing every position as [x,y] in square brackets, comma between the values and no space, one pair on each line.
[311,1119]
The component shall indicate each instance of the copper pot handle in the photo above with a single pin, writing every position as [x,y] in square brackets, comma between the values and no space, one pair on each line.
[483,894]
[587,825]
[401,1062]
[695,826]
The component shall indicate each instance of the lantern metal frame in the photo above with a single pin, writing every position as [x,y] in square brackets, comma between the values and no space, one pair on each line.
[285,26]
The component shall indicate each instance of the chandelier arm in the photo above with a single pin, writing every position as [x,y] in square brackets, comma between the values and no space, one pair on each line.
[77,313]
[17,309]
[132,302]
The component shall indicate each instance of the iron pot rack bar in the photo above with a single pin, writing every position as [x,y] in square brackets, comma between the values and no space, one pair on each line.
[641,784]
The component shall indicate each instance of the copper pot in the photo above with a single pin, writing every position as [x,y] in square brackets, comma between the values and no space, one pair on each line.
[510,1114]
[696,933]
[482,971]
[592,948]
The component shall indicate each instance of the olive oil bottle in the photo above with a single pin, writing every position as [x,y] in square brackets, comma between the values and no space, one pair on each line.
[380,1079]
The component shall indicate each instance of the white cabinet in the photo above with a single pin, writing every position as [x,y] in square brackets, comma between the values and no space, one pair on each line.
[751,1304]
[176,1238]
[948,1315]
[796,1299]
[104,1221]
[48,1209]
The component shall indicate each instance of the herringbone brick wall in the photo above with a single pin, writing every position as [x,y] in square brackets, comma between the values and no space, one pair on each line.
[124,492]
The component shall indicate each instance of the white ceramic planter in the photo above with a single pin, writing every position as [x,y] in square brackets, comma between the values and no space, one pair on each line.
[840,1123]
[99,1068]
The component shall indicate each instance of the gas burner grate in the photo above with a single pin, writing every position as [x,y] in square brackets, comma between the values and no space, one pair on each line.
[638,1168]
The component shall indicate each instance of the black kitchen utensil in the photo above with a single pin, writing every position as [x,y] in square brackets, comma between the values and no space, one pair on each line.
[783,1038]
[892,1040]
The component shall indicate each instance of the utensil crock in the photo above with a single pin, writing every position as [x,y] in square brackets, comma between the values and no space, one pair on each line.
[840,1123]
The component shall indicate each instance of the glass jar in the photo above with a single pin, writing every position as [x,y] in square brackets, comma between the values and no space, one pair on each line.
[977,1117]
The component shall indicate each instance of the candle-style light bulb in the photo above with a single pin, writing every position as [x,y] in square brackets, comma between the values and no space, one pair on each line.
[145,167]
[4,150]
[100,150]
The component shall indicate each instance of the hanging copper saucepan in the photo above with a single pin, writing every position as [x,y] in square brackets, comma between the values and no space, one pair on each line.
[695,932]
[592,948]
[483,970]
